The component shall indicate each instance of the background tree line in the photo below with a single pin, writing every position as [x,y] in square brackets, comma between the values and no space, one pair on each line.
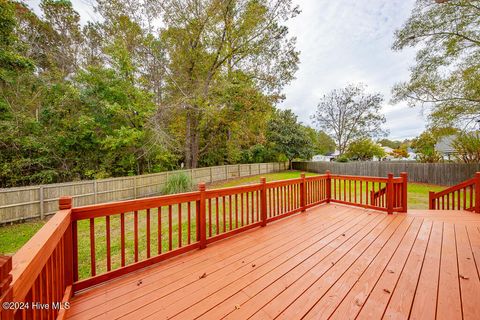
[147,87]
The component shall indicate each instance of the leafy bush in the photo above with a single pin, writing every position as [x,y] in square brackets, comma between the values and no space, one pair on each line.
[342,158]
[177,183]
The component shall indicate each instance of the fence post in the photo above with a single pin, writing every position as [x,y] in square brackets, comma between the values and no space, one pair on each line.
[135,187]
[431,200]
[42,202]
[329,186]
[303,192]
[404,176]
[95,192]
[263,201]
[201,218]
[6,290]
[477,192]
[390,194]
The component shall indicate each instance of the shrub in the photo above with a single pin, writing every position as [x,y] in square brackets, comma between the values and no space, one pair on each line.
[177,183]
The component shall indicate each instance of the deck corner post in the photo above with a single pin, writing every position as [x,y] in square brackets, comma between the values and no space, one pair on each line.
[477,192]
[65,203]
[263,201]
[404,176]
[390,194]
[329,186]
[431,200]
[303,193]
[6,290]
[202,225]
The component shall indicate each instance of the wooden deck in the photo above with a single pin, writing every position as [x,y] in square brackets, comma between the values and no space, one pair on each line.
[332,261]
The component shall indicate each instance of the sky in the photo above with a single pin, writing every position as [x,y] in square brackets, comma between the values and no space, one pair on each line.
[343,42]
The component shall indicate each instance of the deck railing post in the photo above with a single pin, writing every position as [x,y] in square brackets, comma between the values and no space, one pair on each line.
[202,223]
[404,176]
[65,203]
[263,201]
[6,290]
[477,192]
[329,186]
[303,194]
[390,194]
[431,200]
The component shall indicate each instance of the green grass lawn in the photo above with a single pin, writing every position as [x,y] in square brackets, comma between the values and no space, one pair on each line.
[12,237]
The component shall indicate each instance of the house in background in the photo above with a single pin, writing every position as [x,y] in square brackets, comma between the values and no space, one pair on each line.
[444,146]
[327,157]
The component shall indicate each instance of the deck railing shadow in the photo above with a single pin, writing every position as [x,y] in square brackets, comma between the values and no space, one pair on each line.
[80,247]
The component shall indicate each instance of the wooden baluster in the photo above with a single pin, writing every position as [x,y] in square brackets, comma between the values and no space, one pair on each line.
[224,215]
[92,247]
[202,216]
[170,228]
[236,211]
[135,234]
[303,193]
[122,238]
[159,230]
[210,217]
[389,194]
[247,208]
[230,212]
[179,224]
[217,216]
[263,199]
[148,233]
[241,210]
[277,193]
[189,212]
[107,235]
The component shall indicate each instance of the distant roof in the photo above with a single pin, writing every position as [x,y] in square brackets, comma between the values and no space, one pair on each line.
[445,144]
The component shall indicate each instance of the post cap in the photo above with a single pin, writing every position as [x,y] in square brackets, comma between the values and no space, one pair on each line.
[65,203]
[263,180]
[302,175]
[201,186]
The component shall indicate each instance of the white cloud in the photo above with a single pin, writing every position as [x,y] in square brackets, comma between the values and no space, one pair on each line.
[347,41]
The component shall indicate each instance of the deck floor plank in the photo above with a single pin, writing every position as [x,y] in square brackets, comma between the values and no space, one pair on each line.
[449,304]
[467,272]
[425,301]
[334,262]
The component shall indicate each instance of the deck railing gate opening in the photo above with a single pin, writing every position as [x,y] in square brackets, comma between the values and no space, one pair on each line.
[85,246]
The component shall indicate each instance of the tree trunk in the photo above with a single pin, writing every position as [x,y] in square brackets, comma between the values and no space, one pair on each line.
[191,140]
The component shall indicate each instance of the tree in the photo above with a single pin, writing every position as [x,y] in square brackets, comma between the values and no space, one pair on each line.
[467,147]
[208,41]
[321,142]
[350,114]
[400,153]
[394,144]
[446,75]
[424,146]
[364,149]
[288,137]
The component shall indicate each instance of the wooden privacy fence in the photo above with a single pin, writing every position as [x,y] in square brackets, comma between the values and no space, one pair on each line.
[84,246]
[22,203]
[445,174]
[463,196]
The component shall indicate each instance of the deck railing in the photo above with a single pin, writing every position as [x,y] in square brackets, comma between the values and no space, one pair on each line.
[85,246]
[463,196]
